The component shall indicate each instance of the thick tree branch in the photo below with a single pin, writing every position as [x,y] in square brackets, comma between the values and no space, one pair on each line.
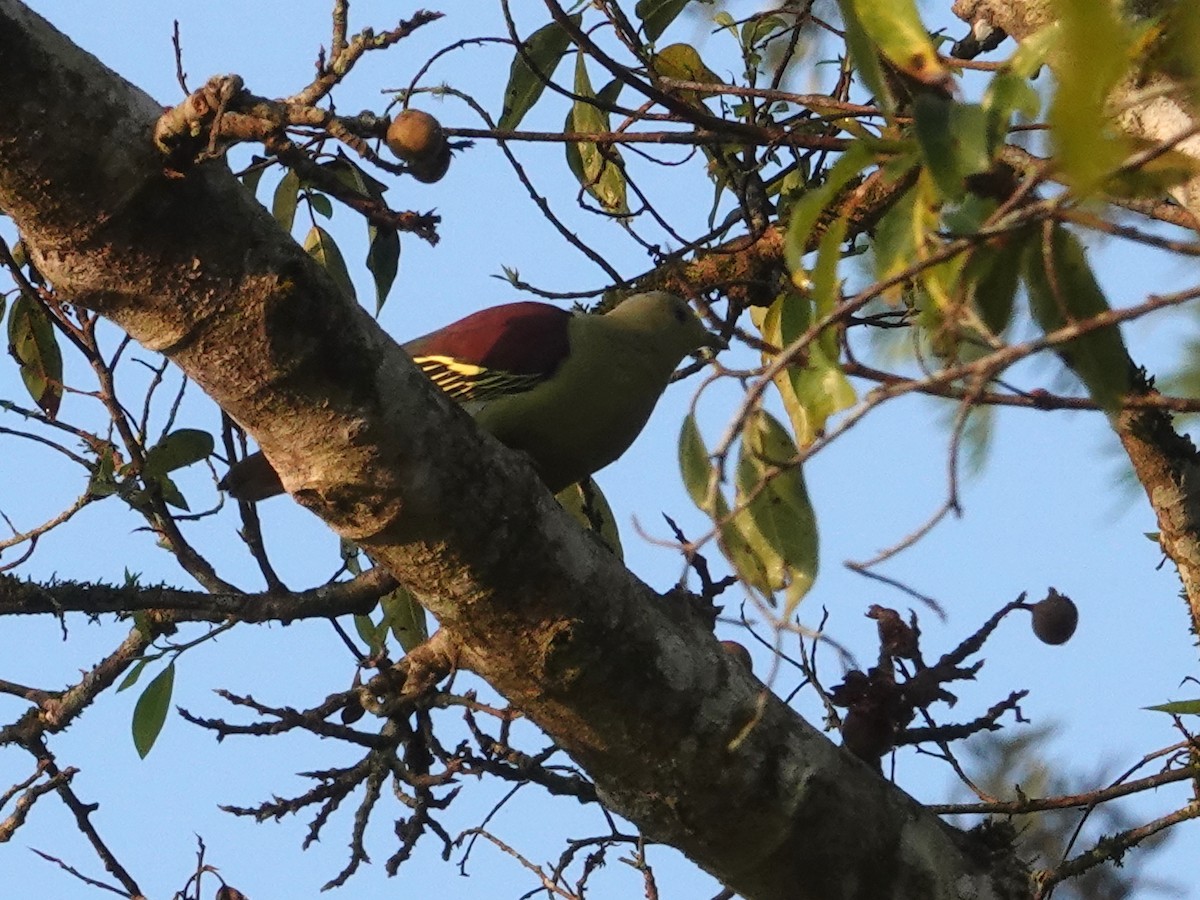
[676,734]
[343,598]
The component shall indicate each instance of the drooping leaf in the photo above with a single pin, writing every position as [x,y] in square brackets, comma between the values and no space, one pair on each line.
[808,210]
[372,633]
[698,478]
[1007,95]
[598,170]
[134,673]
[656,15]
[587,504]
[895,27]
[953,138]
[320,203]
[1087,147]
[324,249]
[150,712]
[383,261]
[180,448]
[32,341]
[1063,291]
[405,617]
[544,48]
[285,200]
[990,278]
[814,387]
[780,526]
[169,491]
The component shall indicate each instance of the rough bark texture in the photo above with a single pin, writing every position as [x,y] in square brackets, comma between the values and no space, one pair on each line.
[677,735]
[1168,467]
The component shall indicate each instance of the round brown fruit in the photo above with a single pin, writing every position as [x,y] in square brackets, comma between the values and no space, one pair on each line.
[416,137]
[1055,618]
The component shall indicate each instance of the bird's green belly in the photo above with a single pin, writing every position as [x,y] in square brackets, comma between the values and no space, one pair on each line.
[566,438]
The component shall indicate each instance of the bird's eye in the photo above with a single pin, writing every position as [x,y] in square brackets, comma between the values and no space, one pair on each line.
[681,313]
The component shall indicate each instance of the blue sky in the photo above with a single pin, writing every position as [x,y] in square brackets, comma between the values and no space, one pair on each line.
[1046,510]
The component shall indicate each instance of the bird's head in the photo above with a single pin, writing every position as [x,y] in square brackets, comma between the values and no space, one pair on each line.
[667,320]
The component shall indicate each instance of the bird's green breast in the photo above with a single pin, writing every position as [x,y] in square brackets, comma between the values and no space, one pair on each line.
[591,410]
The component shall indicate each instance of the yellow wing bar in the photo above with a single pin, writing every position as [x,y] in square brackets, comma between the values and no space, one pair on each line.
[465,381]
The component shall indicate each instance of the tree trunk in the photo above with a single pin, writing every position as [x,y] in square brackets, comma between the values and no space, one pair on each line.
[677,735]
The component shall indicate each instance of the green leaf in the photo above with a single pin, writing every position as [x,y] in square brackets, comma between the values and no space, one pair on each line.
[150,713]
[895,27]
[781,526]
[990,278]
[814,388]
[587,504]
[808,210]
[373,635]
[180,448]
[320,203]
[683,63]
[1093,53]
[698,478]
[1062,291]
[694,463]
[598,170]
[383,261]
[324,249]
[544,48]
[1178,708]
[283,204]
[31,339]
[1007,94]
[169,491]
[954,140]
[134,673]
[351,174]
[405,617]
[656,15]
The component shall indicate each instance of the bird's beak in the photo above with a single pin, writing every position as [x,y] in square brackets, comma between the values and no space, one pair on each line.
[713,343]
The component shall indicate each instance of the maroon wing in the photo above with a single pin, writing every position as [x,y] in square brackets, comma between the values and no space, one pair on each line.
[502,350]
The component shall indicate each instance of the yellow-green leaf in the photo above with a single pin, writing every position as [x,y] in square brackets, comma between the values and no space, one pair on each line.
[373,634]
[598,169]
[815,387]
[781,526]
[324,249]
[698,477]
[285,200]
[806,212]
[895,27]
[1178,708]
[544,49]
[683,63]
[1093,46]
[588,505]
